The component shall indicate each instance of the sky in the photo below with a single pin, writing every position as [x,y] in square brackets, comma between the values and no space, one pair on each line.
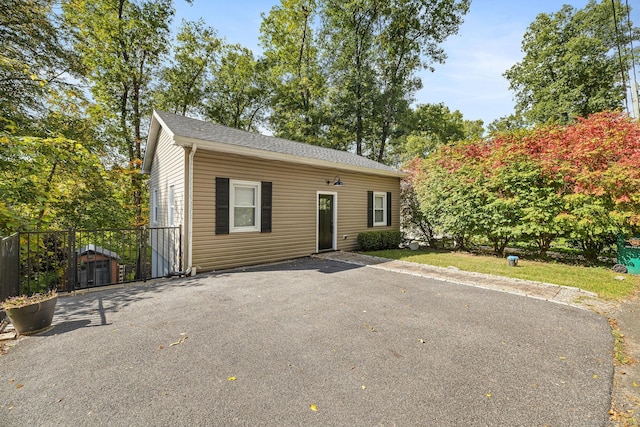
[471,80]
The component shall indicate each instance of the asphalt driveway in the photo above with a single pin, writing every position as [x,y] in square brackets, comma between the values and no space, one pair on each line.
[310,342]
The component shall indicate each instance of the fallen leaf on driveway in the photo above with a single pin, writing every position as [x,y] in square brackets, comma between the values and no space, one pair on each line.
[635,385]
[563,358]
[313,407]
[19,386]
[595,376]
[180,341]
[231,379]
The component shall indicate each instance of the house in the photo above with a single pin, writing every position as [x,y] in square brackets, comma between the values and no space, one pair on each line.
[97,266]
[243,198]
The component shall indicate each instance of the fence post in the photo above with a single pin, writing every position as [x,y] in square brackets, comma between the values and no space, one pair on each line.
[180,248]
[71,260]
[143,244]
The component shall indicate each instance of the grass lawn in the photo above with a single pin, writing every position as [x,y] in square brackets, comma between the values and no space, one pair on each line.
[595,279]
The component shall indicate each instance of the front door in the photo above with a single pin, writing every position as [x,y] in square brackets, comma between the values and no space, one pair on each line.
[325,222]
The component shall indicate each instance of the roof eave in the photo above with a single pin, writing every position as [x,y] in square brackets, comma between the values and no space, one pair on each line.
[271,155]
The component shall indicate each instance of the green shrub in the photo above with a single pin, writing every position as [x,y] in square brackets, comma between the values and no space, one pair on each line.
[379,240]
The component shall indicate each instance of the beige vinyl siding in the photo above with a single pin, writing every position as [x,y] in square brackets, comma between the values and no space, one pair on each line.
[168,170]
[294,212]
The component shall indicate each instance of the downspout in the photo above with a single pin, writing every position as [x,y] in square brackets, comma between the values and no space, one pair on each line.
[194,148]
[190,271]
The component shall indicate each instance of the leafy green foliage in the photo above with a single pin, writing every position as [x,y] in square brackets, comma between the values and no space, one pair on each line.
[39,186]
[238,95]
[374,50]
[432,125]
[34,59]
[379,240]
[412,218]
[289,39]
[121,44]
[339,74]
[572,64]
[575,181]
[181,88]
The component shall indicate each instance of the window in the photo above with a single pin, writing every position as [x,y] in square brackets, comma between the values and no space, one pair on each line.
[245,204]
[379,209]
[172,206]
[154,206]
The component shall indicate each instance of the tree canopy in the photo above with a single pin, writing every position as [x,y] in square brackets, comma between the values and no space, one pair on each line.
[79,80]
[575,63]
[35,60]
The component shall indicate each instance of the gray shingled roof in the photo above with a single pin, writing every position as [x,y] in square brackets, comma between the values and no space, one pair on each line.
[97,250]
[197,129]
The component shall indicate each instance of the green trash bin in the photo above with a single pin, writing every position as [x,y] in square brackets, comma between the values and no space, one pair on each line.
[629,253]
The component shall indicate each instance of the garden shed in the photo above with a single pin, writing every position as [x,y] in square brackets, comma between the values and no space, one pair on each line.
[97,266]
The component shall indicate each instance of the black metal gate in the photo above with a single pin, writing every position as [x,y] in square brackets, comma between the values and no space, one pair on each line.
[9,266]
[76,259]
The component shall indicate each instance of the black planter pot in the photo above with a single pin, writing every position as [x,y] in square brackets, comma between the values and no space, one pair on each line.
[32,318]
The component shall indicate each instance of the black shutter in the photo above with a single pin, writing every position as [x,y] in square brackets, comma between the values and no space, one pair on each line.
[265,207]
[369,208]
[222,205]
[389,208]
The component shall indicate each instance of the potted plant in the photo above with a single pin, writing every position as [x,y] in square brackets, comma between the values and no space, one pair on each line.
[31,314]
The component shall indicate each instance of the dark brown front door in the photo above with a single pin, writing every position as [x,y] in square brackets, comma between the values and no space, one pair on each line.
[325,222]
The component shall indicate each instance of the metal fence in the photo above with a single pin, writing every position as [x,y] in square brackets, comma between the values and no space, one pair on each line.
[9,266]
[76,259]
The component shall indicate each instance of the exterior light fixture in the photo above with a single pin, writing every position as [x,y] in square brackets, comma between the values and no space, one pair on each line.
[336,182]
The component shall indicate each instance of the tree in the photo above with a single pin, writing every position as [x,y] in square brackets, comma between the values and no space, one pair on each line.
[121,43]
[181,88]
[412,217]
[590,222]
[432,125]
[410,39]
[237,95]
[354,92]
[288,37]
[374,50]
[34,60]
[505,124]
[450,189]
[572,63]
[40,186]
